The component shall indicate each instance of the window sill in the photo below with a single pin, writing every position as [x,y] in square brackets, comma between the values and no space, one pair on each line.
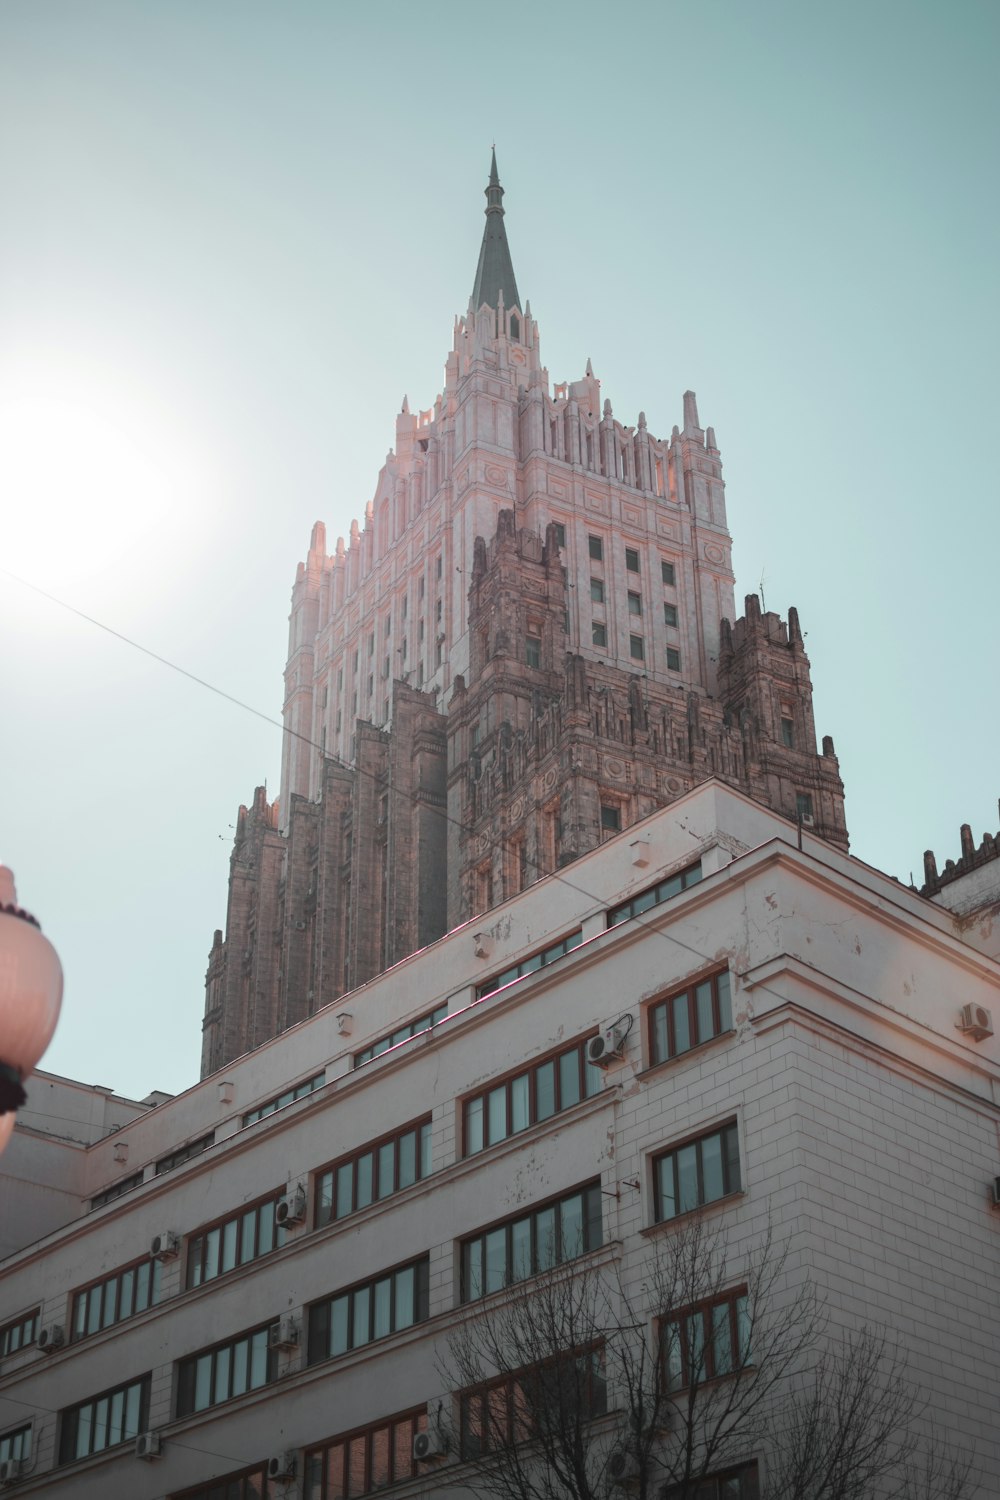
[717,1204]
[655,1069]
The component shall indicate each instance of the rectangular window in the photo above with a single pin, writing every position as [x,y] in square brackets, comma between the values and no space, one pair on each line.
[599,634]
[438,566]
[227,1370]
[117,1416]
[371,685]
[438,654]
[697,1172]
[529,965]
[371,643]
[670,614]
[690,1017]
[385,667]
[788,734]
[596,548]
[706,1343]
[662,891]
[401,1034]
[611,818]
[533,651]
[560,534]
[281,1101]
[406,605]
[667,570]
[636,649]
[420,587]
[16,1445]
[536,1093]
[516,1407]
[673,659]
[380,1169]
[243,1237]
[533,1242]
[360,1463]
[117,1190]
[803,806]
[19,1333]
[635,604]
[438,610]
[732,1484]
[249,1484]
[116,1297]
[631,560]
[596,591]
[184,1153]
[349,1319]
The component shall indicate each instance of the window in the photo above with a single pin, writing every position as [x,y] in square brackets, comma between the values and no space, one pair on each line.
[560,535]
[104,1421]
[631,560]
[370,1311]
[611,818]
[120,1296]
[536,1093]
[184,1153]
[228,1370]
[401,1034]
[19,1333]
[734,1484]
[707,1343]
[438,566]
[288,1097]
[364,1461]
[420,630]
[438,610]
[803,806]
[596,548]
[670,614]
[529,965]
[385,667]
[662,891]
[667,570]
[533,1242]
[243,1237]
[383,1168]
[697,1172]
[673,659]
[514,1407]
[116,1190]
[438,655]
[533,651]
[692,1016]
[635,604]
[388,626]
[406,605]
[371,685]
[596,591]
[599,634]
[636,649]
[788,734]
[16,1445]
[249,1484]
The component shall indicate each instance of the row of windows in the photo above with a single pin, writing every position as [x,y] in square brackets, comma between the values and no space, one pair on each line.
[117,1189]
[663,890]
[19,1333]
[595,548]
[362,1462]
[500,1414]
[105,1420]
[122,1295]
[690,1017]
[636,645]
[533,1242]
[230,1369]
[16,1445]
[185,1153]
[237,1240]
[370,1311]
[288,1097]
[529,965]
[401,1034]
[534,1094]
[380,1170]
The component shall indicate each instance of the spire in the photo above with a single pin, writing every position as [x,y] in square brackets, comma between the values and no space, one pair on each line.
[495,272]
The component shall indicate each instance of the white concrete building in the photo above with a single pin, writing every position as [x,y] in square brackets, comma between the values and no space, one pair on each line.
[794,1022]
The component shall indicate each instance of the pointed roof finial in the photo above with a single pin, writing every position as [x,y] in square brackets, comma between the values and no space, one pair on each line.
[495,272]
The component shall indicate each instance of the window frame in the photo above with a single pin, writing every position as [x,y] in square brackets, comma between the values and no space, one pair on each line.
[515,1402]
[187,1370]
[668,573]
[595,547]
[673,659]
[69,1419]
[184,1153]
[533,650]
[525,966]
[636,905]
[636,647]
[750,1491]
[12,1438]
[421,1128]
[30,1320]
[670,616]
[587,1074]
[196,1257]
[728,1135]
[315,1484]
[632,560]
[598,628]
[286,1097]
[591,1215]
[315,1329]
[740,1354]
[396,1038]
[94,1295]
[721,1001]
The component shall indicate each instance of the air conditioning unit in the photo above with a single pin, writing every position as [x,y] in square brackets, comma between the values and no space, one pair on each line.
[281,1465]
[12,1469]
[623,1468]
[976,1022]
[284,1334]
[165,1246]
[291,1208]
[147,1446]
[607,1047]
[428,1446]
[51,1338]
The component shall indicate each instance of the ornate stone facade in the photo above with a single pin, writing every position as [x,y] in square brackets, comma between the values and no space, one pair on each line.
[530,646]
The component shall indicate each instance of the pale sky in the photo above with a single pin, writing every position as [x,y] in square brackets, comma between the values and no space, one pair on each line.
[235,233]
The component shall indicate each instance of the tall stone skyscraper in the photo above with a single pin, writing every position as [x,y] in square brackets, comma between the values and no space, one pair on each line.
[531,644]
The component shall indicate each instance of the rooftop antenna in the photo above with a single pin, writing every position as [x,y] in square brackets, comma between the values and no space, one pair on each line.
[763,606]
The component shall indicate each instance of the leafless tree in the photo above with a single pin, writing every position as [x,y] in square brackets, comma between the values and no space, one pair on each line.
[579,1385]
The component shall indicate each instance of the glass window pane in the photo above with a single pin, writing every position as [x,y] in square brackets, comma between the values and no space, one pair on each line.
[80,1316]
[571,1226]
[406,1297]
[425,1150]
[223,1359]
[241,1361]
[496,1259]
[569,1078]
[407,1163]
[265,1228]
[84,1430]
[703,1004]
[345,1189]
[745,1353]
[356,1466]
[212,1240]
[202,1382]
[361,1322]
[339,1321]
[364,1180]
[643,903]
[474,1125]
[546,1246]
[671,1346]
[115,1417]
[383,1308]
[335,1472]
[545,1091]
[593,1079]
[227,1258]
[665,1174]
[110,1296]
[687,1178]
[95,1302]
[402,1442]
[324,1197]
[100,1439]
[133,1410]
[258,1359]
[521,1249]
[725,1002]
[497,1114]
[248,1231]
[682,1030]
[594,1230]
[520,1105]
[695,1331]
[659,1033]
[711,1166]
[472,1270]
[381,1473]
[386,1169]
[126,1295]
